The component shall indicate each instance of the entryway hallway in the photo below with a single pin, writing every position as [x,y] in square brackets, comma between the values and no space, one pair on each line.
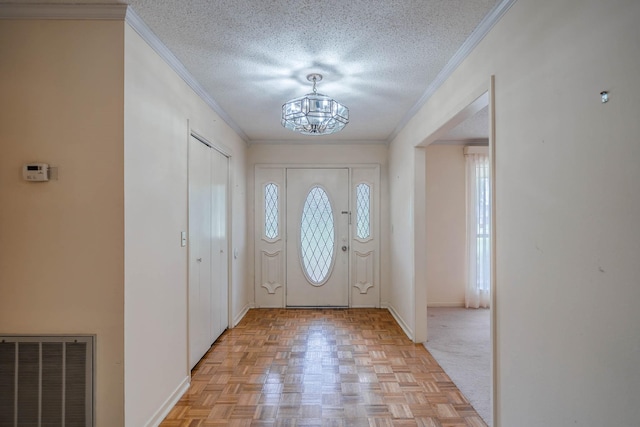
[320,367]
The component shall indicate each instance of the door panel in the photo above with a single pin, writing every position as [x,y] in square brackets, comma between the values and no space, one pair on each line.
[208,247]
[270,232]
[317,237]
[220,256]
[365,237]
[200,234]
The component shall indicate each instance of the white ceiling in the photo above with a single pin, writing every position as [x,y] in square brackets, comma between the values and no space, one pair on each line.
[378,57]
[475,129]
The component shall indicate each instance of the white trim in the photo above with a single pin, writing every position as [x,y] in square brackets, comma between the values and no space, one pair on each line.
[476,149]
[242,313]
[63,11]
[467,47]
[314,140]
[496,394]
[405,327]
[168,404]
[134,20]
[315,165]
[418,248]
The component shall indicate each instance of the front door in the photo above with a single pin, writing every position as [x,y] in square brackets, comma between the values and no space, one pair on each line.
[317,238]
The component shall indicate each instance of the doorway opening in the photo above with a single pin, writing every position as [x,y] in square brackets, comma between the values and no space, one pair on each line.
[459,338]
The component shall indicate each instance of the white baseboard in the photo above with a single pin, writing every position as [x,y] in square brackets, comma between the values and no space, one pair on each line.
[446,304]
[241,315]
[405,327]
[168,404]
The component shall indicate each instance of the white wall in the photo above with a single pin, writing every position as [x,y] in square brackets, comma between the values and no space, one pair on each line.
[567,174]
[160,111]
[446,225]
[401,295]
[97,251]
[61,242]
[332,154]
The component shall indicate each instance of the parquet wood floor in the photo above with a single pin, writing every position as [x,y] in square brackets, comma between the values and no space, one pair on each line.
[320,367]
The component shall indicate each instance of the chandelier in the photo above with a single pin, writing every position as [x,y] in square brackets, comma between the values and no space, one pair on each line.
[314,113]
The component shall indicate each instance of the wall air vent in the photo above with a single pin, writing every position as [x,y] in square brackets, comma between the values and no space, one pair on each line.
[46,381]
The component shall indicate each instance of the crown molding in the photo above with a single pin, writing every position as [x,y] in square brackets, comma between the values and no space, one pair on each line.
[134,20]
[63,11]
[317,140]
[461,54]
[118,12]
[124,12]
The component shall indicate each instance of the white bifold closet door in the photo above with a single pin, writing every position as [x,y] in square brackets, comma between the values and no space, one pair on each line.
[208,255]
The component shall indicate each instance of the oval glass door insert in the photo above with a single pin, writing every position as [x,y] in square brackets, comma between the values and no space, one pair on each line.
[317,236]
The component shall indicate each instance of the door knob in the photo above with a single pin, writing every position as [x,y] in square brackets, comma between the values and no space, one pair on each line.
[199,259]
[344,249]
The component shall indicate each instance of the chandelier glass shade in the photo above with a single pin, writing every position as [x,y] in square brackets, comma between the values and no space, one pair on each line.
[314,113]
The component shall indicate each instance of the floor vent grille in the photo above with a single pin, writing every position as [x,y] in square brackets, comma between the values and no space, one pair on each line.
[46,381]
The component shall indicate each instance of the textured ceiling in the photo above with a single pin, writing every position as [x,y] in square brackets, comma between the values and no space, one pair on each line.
[473,129]
[377,56]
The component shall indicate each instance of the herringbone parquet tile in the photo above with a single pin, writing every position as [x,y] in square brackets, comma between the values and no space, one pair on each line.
[319,367]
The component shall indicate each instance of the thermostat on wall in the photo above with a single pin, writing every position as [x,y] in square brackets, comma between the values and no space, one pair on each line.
[35,172]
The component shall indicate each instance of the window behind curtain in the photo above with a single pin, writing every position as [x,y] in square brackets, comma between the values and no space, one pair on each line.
[478,228]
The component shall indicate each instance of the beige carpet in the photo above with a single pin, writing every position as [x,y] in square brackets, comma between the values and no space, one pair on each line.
[459,340]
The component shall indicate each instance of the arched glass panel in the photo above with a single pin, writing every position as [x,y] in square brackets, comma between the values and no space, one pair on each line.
[271,211]
[317,236]
[363,210]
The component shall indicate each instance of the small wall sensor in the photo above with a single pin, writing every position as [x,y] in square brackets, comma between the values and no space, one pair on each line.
[604,96]
[35,172]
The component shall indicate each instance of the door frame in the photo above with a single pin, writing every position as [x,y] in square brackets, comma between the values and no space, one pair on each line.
[222,149]
[484,95]
[376,207]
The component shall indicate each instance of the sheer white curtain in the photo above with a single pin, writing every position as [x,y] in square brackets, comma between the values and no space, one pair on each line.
[478,227]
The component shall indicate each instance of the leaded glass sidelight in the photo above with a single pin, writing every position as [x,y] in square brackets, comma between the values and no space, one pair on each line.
[317,236]
[363,211]
[271,211]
